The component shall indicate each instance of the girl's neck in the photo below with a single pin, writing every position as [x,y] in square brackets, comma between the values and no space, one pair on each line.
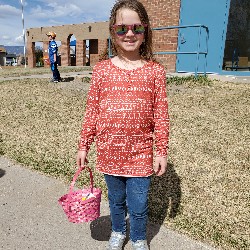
[128,63]
[129,56]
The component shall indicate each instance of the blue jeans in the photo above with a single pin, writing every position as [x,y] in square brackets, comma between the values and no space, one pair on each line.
[129,193]
[54,69]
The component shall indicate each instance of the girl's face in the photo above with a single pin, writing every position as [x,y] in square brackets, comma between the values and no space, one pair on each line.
[130,41]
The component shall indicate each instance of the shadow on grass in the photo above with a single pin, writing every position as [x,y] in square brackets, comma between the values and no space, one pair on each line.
[164,199]
[68,79]
[164,196]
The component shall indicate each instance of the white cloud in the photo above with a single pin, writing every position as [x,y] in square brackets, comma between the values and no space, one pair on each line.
[5,37]
[55,11]
[8,11]
[44,13]
[19,39]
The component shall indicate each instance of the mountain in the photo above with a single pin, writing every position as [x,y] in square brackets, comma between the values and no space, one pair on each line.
[17,50]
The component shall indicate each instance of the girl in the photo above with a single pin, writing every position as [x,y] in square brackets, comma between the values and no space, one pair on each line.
[126,106]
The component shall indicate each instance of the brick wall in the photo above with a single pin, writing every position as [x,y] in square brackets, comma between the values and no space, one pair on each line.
[31,54]
[80,53]
[86,31]
[65,53]
[164,13]
[161,13]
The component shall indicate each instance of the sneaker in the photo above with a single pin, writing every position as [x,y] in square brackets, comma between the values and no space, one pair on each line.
[116,241]
[55,81]
[139,245]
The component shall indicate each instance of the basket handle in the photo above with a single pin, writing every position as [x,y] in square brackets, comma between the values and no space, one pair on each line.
[76,176]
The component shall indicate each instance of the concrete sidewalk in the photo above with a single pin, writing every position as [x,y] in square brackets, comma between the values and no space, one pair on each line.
[69,76]
[31,218]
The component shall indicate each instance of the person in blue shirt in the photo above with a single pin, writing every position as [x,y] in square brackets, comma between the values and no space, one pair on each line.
[53,56]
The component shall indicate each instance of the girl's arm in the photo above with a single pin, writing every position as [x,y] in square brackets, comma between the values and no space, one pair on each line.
[88,131]
[161,121]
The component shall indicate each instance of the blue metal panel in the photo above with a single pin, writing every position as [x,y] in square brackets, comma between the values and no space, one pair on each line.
[214,15]
[198,52]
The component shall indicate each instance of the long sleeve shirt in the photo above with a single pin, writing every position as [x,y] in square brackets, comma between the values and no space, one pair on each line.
[126,113]
[53,51]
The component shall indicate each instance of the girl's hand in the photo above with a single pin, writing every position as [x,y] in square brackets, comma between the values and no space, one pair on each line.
[81,158]
[160,166]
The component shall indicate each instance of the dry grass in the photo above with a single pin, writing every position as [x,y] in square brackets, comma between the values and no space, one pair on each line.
[209,149]
[8,71]
[205,192]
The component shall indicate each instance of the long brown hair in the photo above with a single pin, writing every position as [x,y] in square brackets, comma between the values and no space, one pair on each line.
[146,47]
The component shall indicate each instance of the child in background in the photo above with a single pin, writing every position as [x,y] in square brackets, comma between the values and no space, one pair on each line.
[53,56]
[127,112]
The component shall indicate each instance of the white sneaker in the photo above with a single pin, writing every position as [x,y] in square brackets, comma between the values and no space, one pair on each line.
[116,241]
[139,245]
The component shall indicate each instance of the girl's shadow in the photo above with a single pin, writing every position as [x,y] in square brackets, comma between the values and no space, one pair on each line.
[101,228]
[2,172]
[164,201]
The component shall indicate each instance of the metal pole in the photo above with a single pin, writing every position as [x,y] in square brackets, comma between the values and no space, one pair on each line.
[198,52]
[24,51]
[207,37]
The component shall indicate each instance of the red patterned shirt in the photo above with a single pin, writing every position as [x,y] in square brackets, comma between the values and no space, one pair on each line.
[126,112]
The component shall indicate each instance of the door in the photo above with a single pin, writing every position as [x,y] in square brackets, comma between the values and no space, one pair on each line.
[214,15]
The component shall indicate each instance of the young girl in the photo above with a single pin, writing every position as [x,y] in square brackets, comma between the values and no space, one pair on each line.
[126,112]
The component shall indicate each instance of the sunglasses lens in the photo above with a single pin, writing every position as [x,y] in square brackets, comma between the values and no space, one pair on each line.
[121,30]
[138,29]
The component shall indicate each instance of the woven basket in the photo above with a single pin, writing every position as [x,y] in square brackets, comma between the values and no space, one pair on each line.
[75,207]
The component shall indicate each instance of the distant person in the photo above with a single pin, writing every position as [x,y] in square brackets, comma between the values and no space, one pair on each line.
[127,114]
[53,56]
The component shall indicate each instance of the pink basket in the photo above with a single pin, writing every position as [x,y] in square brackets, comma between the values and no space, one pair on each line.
[75,207]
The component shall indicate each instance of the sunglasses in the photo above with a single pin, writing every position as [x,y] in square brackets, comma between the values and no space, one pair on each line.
[122,29]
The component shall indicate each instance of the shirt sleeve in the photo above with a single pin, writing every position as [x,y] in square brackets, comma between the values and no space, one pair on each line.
[161,116]
[88,131]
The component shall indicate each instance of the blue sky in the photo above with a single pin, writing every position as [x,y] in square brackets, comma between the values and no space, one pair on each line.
[43,13]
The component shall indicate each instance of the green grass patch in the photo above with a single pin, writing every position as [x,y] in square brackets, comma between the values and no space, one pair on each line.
[190,81]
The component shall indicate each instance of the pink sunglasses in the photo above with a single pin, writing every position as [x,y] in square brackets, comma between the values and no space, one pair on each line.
[122,29]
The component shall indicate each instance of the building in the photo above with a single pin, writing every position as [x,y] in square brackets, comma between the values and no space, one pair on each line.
[11,60]
[96,34]
[10,56]
[189,36]
[2,55]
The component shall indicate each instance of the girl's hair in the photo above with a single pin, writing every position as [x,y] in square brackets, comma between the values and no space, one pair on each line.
[146,47]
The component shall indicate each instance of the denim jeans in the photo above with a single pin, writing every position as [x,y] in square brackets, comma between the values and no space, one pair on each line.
[54,69]
[129,193]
